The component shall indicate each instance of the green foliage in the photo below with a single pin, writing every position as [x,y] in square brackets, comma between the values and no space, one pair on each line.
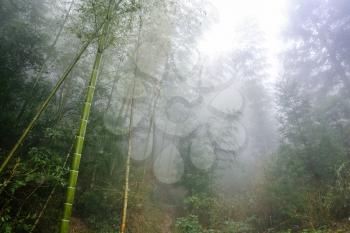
[22,51]
[6,221]
[98,210]
[304,178]
[198,202]
[26,187]
[91,18]
[190,224]
[237,227]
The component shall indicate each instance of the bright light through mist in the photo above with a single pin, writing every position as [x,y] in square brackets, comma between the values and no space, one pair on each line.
[269,15]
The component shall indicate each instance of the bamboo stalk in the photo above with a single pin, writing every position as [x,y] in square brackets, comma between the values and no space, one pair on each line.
[44,105]
[73,173]
[79,143]
[127,166]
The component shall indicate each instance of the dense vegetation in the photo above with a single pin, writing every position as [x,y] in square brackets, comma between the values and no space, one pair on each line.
[135,97]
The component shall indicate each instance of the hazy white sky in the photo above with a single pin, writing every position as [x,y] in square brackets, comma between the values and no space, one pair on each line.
[270,16]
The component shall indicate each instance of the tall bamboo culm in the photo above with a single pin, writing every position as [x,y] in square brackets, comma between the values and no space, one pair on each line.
[127,165]
[79,141]
[128,158]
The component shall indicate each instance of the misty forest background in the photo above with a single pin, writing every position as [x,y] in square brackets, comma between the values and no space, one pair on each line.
[203,143]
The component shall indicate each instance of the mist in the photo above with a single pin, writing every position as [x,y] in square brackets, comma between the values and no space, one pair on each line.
[150,116]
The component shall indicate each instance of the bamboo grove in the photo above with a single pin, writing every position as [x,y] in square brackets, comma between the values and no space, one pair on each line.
[102,36]
[158,116]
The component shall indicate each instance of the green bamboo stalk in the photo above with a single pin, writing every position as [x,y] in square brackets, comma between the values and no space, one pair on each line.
[79,143]
[44,105]
[73,174]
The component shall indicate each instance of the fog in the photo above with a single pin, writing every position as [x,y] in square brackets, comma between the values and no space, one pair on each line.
[150,116]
